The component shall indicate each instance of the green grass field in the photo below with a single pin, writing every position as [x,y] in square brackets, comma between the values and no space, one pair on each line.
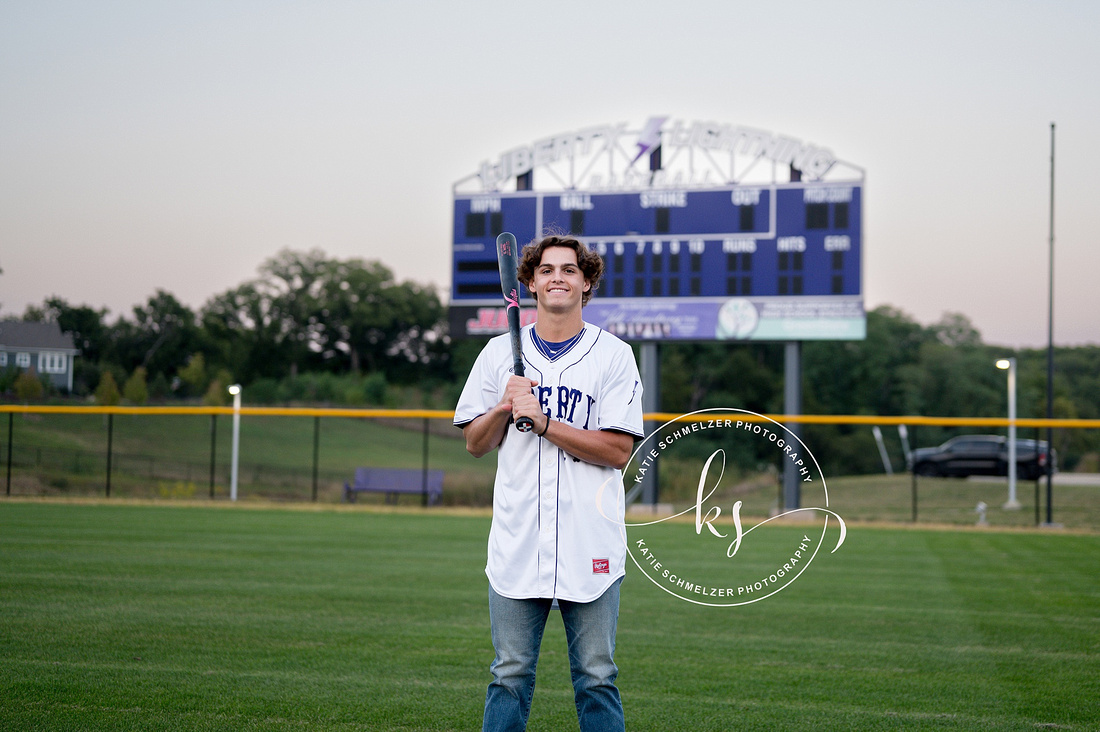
[183,617]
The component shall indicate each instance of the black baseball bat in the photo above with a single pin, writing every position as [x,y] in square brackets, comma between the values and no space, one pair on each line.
[508,262]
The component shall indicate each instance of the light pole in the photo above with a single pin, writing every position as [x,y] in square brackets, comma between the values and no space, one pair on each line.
[1050,349]
[235,390]
[1010,363]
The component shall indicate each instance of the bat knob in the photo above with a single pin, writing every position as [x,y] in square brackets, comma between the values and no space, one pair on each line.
[525,424]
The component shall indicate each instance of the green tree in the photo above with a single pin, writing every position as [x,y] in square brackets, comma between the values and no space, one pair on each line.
[267,327]
[161,336]
[959,381]
[85,324]
[135,390]
[371,322]
[700,375]
[159,388]
[35,314]
[309,312]
[245,330]
[106,394]
[868,376]
[374,388]
[955,329]
[194,374]
[290,283]
[217,395]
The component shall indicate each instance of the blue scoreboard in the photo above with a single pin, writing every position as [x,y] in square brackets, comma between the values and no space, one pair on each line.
[753,262]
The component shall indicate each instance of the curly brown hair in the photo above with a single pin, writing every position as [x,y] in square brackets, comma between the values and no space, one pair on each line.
[591,264]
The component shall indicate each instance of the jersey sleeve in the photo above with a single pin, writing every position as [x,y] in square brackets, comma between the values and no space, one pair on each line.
[621,395]
[482,390]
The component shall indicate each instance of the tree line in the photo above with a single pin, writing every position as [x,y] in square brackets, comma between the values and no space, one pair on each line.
[901,368]
[312,328]
[305,313]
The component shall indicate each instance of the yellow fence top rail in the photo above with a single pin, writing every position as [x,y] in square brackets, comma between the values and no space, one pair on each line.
[867,419]
[254,411]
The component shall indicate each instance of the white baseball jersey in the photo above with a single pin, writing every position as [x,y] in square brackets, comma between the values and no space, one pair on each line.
[548,537]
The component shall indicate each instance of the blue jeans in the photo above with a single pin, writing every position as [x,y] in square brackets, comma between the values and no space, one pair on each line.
[517,627]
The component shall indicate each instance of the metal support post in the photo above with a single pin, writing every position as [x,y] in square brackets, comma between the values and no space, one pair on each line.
[913,473]
[110,440]
[235,461]
[424,468]
[213,449]
[11,426]
[651,392]
[792,405]
[316,453]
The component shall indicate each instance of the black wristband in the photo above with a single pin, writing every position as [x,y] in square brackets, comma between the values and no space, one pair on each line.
[546,428]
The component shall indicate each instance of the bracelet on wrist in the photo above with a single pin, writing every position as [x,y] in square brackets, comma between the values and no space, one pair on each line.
[546,428]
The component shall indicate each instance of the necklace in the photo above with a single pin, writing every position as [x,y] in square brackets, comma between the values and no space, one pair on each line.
[552,351]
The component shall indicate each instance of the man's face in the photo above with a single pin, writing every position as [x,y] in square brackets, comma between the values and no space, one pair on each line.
[558,281]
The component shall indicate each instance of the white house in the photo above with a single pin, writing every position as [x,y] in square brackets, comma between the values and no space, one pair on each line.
[39,346]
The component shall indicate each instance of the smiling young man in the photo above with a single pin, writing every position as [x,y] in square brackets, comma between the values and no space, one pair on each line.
[549,539]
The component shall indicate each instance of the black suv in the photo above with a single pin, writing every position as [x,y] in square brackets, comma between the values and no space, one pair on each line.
[982,455]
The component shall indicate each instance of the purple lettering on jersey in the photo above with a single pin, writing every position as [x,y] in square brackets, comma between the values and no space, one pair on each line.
[591,401]
[544,399]
[574,397]
[567,403]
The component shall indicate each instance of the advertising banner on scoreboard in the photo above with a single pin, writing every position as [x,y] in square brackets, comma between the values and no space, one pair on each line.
[737,318]
[703,319]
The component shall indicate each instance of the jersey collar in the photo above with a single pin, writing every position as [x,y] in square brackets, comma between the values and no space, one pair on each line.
[553,351]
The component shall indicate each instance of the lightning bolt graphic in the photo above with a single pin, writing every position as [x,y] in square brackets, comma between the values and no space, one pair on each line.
[650,137]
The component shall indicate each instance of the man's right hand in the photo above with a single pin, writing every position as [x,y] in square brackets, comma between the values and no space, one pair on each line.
[486,432]
[518,389]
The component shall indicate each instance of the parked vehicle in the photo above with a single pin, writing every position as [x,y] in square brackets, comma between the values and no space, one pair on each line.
[982,455]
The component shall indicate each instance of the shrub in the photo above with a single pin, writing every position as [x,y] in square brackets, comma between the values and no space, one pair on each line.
[159,387]
[354,394]
[135,389]
[194,374]
[179,489]
[28,387]
[263,391]
[106,394]
[374,388]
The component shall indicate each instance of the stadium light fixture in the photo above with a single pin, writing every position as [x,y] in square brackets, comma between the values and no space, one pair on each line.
[235,390]
[1009,364]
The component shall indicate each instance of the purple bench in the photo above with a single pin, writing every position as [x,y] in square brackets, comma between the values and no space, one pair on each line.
[393,481]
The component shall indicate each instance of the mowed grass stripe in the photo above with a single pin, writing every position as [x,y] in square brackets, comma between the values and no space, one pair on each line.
[125,616]
[343,591]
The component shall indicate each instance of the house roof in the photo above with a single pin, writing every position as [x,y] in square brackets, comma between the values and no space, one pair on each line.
[19,334]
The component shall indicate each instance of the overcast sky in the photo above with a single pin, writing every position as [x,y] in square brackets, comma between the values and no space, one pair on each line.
[148,145]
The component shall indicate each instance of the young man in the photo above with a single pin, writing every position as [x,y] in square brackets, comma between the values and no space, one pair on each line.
[549,539]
